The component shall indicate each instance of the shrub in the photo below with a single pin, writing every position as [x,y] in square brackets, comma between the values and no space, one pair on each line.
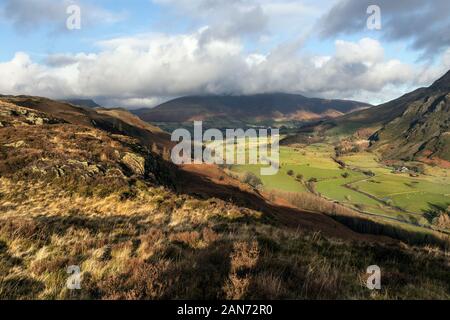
[129,194]
[252,180]
[290,173]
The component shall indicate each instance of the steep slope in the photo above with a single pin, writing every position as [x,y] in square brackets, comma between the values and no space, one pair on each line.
[422,131]
[253,108]
[376,117]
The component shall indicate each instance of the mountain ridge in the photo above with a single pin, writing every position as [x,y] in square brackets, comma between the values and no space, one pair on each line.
[422,132]
[250,108]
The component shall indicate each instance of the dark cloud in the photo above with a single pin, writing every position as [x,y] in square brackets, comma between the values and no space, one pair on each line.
[425,24]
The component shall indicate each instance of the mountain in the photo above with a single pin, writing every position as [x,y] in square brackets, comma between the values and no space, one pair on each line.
[378,116]
[87,103]
[250,108]
[412,127]
[422,130]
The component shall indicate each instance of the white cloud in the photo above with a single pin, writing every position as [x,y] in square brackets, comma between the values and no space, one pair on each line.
[146,69]
[365,51]
[260,19]
[225,18]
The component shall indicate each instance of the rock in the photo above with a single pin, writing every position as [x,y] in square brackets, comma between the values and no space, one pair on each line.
[135,163]
[16,144]
[34,119]
[93,169]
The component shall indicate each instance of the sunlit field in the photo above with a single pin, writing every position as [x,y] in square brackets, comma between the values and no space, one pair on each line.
[365,184]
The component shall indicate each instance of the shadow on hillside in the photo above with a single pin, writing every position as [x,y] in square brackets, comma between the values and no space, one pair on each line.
[202,187]
[368,226]
[16,287]
[434,211]
[204,279]
[331,224]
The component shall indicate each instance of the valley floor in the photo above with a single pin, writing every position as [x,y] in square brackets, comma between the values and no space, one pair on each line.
[364,184]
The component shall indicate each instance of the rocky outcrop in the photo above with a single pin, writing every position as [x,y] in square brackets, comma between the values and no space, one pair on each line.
[135,163]
[13,115]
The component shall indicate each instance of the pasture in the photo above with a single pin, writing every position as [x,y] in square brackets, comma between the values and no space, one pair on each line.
[385,194]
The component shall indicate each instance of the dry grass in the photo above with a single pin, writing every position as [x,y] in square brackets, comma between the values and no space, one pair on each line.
[132,250]
[68,198]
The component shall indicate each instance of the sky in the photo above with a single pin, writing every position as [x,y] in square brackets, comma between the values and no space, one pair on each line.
[139,53]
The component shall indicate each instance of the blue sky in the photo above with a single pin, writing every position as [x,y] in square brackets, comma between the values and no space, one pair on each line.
[141,52]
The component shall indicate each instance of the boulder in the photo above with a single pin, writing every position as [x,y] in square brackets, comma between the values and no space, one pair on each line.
[135,163]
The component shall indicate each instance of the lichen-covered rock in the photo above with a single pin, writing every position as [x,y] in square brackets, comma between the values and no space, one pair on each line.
[33,119]
[16,144]
[135,163]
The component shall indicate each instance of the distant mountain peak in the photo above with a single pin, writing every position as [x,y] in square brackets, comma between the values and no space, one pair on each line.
[87,103]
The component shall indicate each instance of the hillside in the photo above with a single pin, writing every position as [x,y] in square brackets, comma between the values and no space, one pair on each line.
[114,121]
[129,118]
[377,116]
[76,190]
[414,127]
[87,103]
[250,109]
[422,131]
[380,115]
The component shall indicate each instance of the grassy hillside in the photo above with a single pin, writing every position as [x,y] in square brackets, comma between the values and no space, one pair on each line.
[111,120]
[421,133]
[72,193]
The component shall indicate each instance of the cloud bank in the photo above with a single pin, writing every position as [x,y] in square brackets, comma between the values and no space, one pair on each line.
[146,69]
[215,56]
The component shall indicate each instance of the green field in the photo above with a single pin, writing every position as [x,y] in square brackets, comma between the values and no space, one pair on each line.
[386,194]
[415,195]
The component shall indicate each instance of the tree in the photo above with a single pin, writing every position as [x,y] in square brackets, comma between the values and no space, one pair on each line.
[290,173]
[252,180]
